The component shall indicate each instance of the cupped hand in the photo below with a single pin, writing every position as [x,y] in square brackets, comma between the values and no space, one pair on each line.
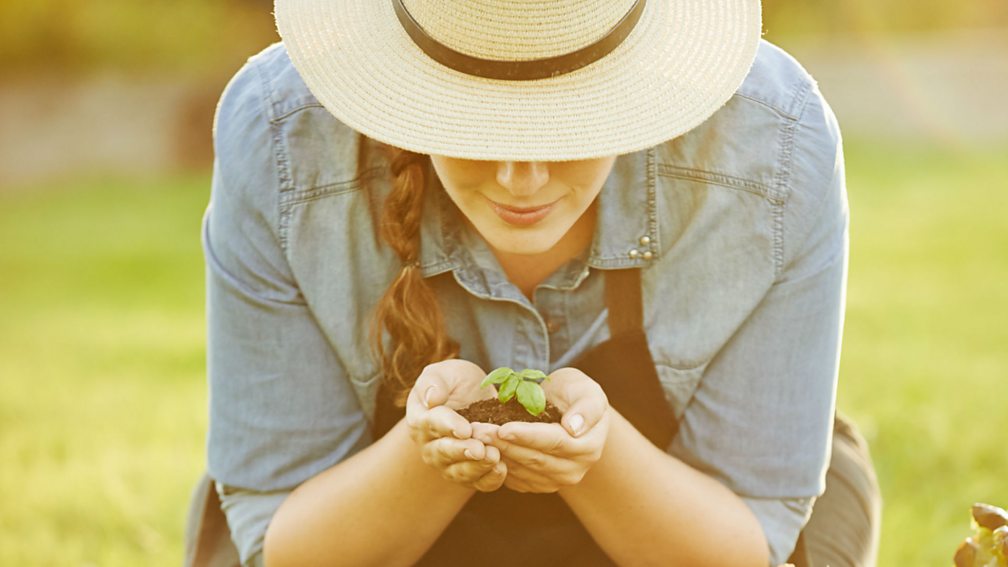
[447,441]
[545,457]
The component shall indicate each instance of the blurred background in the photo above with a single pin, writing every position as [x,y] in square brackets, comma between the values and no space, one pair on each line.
[105,156]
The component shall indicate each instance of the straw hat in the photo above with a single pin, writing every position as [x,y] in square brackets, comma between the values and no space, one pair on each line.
[522,80]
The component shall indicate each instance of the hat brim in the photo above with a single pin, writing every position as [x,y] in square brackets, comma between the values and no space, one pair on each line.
[680,64]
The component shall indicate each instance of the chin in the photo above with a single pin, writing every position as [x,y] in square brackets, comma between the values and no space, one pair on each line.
[531,251]
[527,248]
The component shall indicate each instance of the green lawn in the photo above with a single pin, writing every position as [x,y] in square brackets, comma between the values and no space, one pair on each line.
[102,414]
[925,357]
[103,409]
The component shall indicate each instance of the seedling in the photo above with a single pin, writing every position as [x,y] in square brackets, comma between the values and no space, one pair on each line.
[525,385]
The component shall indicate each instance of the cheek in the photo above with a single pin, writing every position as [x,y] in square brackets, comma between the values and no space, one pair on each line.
[473,208]
[586,198]
[586,174]
[464,176]
[470,203]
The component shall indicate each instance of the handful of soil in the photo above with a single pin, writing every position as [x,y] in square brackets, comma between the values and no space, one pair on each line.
[492,411]
[520,397]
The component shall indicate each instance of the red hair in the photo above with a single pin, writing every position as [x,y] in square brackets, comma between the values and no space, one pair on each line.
[408,312]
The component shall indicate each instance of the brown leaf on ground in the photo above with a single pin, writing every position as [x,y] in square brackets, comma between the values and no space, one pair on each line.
[990,517]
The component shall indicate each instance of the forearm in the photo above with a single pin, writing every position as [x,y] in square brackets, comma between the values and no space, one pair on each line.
[383,506]
[637,493]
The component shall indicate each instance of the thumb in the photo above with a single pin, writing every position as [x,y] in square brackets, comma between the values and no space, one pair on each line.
[587,402]
[434,396]
[584,414]
[574,423]
[431,386]
[434,393]
[428,391]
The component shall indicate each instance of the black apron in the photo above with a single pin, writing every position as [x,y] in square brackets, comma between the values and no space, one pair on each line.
[496,528]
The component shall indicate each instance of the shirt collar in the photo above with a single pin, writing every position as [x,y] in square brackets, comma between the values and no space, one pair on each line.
[626,230]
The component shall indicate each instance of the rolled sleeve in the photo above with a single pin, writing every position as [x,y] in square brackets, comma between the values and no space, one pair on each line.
[781,519]
[248,514]
[761,418]
[281,407]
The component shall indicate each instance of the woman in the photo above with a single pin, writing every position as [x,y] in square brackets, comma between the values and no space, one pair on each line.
[639,197]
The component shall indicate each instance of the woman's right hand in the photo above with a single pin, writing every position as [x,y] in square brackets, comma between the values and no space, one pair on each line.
[447,441]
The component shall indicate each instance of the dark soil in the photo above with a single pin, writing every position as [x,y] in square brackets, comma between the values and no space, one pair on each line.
[492,411]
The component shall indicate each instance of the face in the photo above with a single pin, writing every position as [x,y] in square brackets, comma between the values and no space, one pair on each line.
[523,207]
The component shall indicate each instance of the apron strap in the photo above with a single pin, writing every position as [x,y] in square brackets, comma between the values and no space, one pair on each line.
[626,324]
[623,365]
[623,299]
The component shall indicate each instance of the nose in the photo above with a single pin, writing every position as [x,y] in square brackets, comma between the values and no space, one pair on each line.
[522,178]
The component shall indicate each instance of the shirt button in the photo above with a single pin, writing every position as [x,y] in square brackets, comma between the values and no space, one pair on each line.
[648,255]
[645,240]
[634,253]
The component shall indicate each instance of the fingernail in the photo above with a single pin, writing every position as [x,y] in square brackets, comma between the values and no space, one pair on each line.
[576,423]
[426,396]
[506,435]
[468,454]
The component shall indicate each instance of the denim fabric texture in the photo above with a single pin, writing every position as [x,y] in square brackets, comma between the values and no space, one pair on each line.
[740,227]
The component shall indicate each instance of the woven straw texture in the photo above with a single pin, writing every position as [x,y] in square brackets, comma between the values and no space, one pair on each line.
[517,29]
[680,64]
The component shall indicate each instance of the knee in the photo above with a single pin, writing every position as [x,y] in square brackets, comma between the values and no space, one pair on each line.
[845,522]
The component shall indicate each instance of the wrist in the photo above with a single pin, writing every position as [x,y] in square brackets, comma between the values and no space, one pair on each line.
[608,457]
[401,442]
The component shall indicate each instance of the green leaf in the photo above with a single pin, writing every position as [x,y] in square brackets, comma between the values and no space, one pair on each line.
[532,396]
[537,376]
[507,391]
[497,376]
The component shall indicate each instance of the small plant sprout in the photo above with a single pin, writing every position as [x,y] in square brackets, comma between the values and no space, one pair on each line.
[524,385]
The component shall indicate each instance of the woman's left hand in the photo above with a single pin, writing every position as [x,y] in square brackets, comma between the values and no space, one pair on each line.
[545,457]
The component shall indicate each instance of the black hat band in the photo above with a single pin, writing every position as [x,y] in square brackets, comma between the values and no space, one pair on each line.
[527,70]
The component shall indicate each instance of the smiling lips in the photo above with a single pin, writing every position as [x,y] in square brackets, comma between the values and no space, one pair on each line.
[521,216]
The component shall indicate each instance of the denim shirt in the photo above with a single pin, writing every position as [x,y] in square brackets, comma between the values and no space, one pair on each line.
[739,227]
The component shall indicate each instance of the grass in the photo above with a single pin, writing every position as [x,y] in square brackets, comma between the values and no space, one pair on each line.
[925,358]
[103,410]
[102,414]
